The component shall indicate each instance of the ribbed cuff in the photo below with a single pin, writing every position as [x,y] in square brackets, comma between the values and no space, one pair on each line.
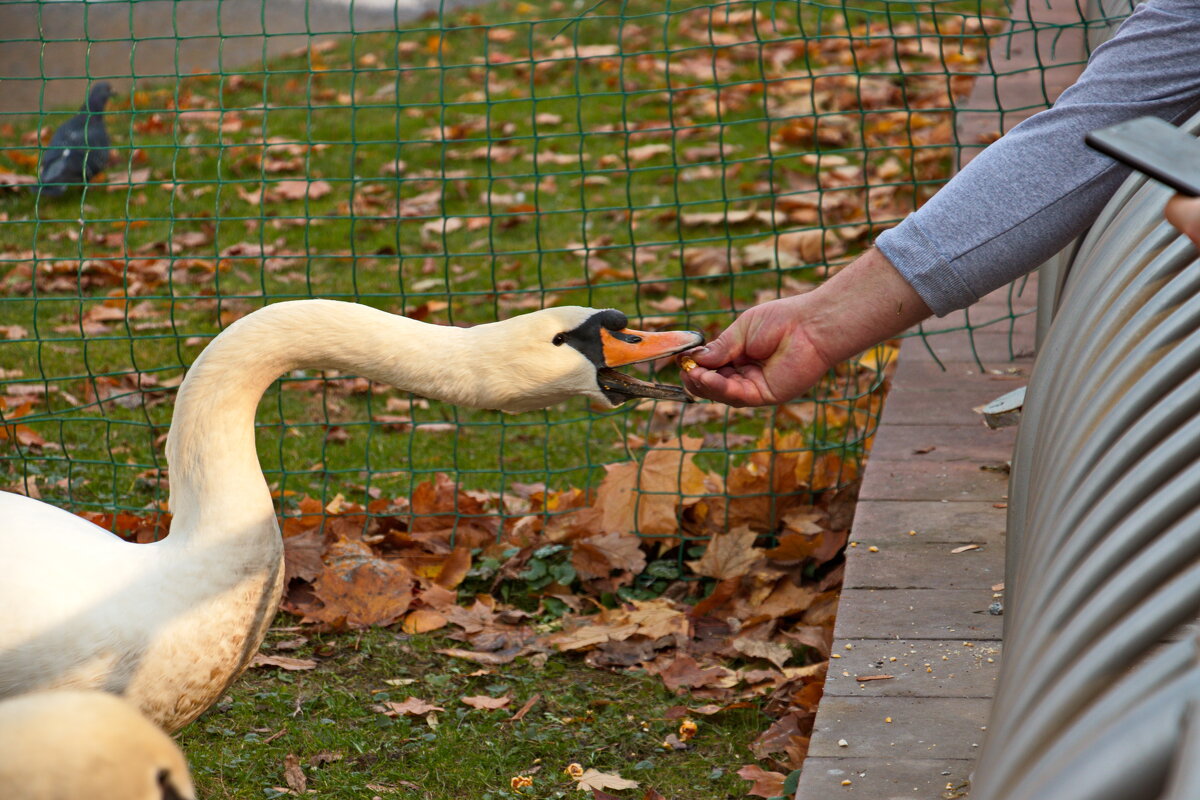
[929,272]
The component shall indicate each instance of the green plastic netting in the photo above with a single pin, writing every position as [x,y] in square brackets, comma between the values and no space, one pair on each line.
[678,161]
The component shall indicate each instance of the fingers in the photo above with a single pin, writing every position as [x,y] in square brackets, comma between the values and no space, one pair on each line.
[1184,213]
[729,385]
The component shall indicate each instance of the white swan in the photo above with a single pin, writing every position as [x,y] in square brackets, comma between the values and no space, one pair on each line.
[66,744]
[169,625]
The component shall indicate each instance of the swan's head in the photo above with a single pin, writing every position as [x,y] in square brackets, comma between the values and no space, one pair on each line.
[86,744]
[557,353]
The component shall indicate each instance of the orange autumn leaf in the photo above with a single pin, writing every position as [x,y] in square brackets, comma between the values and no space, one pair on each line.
[423,620]
[358,590]
[766,784]
[454,568]
[728,555]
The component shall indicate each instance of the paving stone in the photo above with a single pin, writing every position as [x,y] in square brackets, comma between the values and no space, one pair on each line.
[908,405]
[911,564]
[923,668]
[973,442]
[882,522]
[916,480]
[921,727]
[917,614]
[922,370]
[890,777]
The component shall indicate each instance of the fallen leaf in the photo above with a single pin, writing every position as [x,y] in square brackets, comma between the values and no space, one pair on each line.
[486,702]
[302,556]
[766,784]
[520,715]
[595,779]
[965,548]
[293,774]
[728,555]
[412,707]
[775,652]
[424,620]
[283,662]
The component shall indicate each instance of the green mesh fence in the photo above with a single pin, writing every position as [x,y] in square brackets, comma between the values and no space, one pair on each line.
[677,161]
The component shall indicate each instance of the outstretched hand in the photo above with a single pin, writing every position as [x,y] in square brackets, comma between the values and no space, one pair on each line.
[776,351]
[765,357]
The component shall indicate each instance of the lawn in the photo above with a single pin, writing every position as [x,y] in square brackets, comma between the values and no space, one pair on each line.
[679,163]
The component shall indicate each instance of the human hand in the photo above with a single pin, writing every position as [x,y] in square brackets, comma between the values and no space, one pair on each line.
[774,352]
[1183,212]
[765,357]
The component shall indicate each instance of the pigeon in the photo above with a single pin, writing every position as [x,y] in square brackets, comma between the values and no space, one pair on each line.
[79,148]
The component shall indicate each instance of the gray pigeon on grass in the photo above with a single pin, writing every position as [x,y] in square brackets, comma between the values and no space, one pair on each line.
[79,149]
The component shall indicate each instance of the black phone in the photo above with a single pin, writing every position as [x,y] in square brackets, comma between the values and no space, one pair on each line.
[1155,147]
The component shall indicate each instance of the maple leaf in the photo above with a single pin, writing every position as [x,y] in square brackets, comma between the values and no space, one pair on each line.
[685,673]
[766,784]
[779,736]
[644,496]
[597,558]
[483,701]
[302,556]
[776,653]
[728,555]
[412,707]
[596,780]
[359,590]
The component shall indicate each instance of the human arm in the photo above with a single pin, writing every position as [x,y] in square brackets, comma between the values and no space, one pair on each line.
[1030,193]
[775,351]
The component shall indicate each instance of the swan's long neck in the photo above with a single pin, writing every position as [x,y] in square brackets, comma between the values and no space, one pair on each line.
[217,486]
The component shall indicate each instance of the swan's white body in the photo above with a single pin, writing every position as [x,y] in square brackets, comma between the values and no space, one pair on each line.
[170,625]
[78,744]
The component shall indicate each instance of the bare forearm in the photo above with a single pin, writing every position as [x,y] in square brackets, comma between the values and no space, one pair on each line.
[864,304]
[776,351]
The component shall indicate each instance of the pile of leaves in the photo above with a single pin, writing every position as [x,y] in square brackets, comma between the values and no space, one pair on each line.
[725,587]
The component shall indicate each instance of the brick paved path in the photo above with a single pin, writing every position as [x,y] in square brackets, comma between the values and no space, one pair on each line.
[913,608]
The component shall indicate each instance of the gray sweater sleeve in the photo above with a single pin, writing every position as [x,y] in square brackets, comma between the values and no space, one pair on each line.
[1027,195]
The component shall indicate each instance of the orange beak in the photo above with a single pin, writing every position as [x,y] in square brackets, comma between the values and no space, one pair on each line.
[631,347]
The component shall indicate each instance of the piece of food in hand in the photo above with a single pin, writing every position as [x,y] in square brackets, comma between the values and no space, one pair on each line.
[686,363]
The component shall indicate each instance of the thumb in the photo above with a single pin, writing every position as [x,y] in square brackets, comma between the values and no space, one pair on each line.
[716,353]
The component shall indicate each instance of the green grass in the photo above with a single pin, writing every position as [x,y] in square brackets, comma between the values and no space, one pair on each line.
[613,722]
[536,158]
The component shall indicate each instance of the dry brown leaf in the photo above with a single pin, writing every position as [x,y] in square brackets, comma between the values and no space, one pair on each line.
[776,738]
[485,702]
[766,784]
[358,590]
[598,557]
[412,707]
[529,704]
[775,652]
[685,673]
[728,555]
[596,780]
[302,556]
[293,774]
[454,568]
[490,659]
[423,620]
[282,662]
